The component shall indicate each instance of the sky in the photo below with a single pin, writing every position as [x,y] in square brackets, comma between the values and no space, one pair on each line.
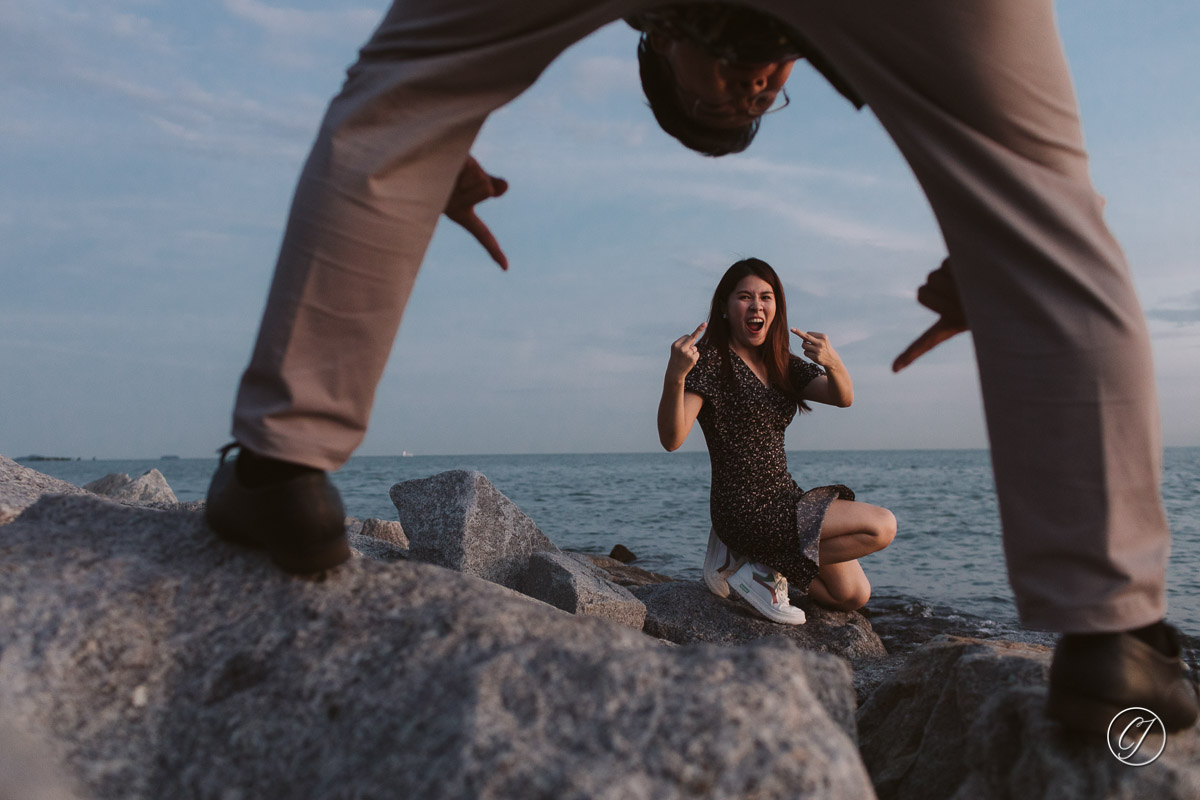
[149,148]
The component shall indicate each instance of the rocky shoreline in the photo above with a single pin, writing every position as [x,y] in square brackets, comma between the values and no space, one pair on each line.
[462,654]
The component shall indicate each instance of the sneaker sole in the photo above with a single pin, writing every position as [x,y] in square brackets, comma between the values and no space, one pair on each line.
[713,579]
[769,611]
[716,584]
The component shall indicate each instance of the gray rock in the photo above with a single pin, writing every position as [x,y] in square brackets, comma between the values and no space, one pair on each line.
[20,487]
[166,663]
[459,520]
[147,489]
[570,582]
[377,549]
[686,611]
[112,482]
[389,531]
[906,623]
[964,719]
[625,574]
[380,539]
[150,488]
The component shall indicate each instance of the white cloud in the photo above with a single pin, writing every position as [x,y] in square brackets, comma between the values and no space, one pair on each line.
[92,24]
[819,223]
[751,165]
[139,30]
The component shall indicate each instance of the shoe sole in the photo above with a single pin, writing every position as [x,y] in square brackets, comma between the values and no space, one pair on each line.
[314,558]
[769,611]
[1081,713]
[300,553]
[302,560]
[715,583]
[1085,714]
[713,579]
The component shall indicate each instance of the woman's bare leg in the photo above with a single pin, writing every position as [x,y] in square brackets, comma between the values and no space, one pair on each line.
[842,587]
[852,530]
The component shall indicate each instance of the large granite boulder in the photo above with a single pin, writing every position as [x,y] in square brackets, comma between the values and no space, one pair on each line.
[164,662]
[904,624]
[569,581]
[965,719]
[686,611]
[459,520]
[20,487]
[149,488]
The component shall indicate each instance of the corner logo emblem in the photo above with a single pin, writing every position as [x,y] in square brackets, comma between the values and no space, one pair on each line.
[1136,737]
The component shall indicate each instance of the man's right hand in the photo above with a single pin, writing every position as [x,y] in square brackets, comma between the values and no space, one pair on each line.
[940,294]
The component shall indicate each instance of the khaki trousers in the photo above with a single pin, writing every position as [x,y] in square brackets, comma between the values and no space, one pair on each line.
[977,97]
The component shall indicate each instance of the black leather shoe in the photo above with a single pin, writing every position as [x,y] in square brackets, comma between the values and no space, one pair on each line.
[300,522]
[1096,676]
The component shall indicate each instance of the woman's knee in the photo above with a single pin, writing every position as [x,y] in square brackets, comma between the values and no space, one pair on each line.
[883,527]
[854,599]
[844,595]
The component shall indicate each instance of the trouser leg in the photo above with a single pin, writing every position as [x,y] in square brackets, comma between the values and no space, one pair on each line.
[978,98]
[370,194]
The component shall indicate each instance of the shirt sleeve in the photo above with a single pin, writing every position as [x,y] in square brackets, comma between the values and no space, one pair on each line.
[703,378]
[801,373]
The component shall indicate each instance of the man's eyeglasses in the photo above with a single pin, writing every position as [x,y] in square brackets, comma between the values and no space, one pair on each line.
[760,105]
[777,103]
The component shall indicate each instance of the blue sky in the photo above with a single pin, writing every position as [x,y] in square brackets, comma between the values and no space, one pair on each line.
[148,150]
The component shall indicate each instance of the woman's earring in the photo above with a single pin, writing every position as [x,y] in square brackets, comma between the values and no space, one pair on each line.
[724,316]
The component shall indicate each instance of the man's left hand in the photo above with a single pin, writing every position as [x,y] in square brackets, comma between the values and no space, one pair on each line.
[472,187]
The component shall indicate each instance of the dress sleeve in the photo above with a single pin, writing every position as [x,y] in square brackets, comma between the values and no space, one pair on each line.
[703,378]
[801,373]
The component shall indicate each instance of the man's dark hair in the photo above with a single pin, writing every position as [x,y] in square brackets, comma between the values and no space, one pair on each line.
[658,83]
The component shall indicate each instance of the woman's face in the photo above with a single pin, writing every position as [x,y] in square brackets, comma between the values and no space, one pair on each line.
[750,310]
[719,93]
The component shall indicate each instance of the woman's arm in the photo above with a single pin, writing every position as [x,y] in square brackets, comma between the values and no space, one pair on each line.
[834,388]
[678,408]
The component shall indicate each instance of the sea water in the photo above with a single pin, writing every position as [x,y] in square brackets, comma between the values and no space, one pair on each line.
[947,549]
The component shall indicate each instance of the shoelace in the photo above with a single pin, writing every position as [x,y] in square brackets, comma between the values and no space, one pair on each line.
[781,590]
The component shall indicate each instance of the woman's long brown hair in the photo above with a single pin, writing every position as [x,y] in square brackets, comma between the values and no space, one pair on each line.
[775,351]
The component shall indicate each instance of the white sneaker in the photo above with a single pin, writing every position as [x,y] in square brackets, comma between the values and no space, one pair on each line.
[766,590]
[719,564]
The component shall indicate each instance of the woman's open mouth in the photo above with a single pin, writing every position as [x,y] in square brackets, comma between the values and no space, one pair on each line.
[755,324]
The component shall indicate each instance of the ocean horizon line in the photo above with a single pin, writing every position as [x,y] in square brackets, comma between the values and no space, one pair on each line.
[405,454]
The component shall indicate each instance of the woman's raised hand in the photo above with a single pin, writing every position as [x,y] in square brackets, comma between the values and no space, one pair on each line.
[684,354]
[818,349]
